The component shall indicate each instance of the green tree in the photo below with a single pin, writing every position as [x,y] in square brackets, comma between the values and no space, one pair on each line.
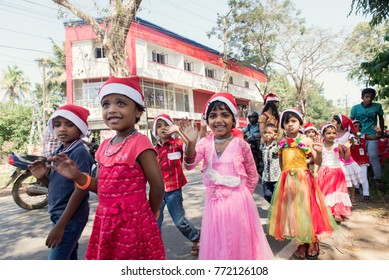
[271,35]
[376,70]
[363,44]
[15,126]
[252,31]
[14,83]
[378,9]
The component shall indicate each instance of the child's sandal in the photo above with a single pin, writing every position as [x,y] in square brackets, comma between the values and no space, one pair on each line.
[300,252]
[313,252]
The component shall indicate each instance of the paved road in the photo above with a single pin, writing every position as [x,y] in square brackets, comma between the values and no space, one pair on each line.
[23,233]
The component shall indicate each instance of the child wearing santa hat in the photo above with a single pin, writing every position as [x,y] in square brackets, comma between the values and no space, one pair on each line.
[231,227]
[170,156]
[270,114]
[298,210]
[68,206]
[351,169]
[311,131]
[331,178]
[125,225]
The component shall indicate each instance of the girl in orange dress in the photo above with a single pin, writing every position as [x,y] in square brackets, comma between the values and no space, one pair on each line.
[297,210]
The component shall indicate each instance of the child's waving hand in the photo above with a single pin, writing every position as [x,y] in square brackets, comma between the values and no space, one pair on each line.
[187,129]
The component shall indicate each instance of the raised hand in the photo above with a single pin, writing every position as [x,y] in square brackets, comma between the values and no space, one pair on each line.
[188,131]
[318,147]
[172,129]
[64,166]
[38,169]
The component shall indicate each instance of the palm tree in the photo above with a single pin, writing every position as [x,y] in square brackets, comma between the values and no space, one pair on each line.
[15,83]
[57,68]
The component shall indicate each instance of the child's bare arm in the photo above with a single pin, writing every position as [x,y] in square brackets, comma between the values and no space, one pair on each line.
[148,161]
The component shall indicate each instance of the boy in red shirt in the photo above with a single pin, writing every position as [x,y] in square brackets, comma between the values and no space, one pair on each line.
[170,155]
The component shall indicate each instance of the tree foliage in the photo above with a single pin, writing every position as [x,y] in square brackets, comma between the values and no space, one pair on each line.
[113,33]
[14,83]
[378,9]
[363,44]
[15,126]
[376,70]
[271,35]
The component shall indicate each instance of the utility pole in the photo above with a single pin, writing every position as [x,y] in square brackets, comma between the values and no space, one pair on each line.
[346,103]
[44,93]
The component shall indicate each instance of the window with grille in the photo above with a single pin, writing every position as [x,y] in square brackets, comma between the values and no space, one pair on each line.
[159,57]
[231,80]
[100,53]
[188,66]
[246,84]
[211,73]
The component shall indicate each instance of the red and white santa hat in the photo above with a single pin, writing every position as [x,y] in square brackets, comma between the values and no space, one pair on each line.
[164,117]
[226,98]
[327,124]
[76,114]
[128,86]
[271,97]
[347,123]
[309,126]
[292,110]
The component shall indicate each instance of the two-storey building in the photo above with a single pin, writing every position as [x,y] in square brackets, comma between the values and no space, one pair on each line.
[178,75]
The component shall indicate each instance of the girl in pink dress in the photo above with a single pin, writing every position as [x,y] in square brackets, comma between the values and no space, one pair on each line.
[125,226]
[331,178]
[231,227]
[351,169]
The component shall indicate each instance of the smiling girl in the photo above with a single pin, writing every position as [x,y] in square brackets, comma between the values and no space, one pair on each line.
[231,226]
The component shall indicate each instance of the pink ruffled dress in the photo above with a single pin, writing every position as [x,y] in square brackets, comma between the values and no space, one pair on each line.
[124,227]
[332,182]
[231,227]
[351,169]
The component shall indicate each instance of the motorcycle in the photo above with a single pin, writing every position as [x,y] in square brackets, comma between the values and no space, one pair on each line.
[27,191]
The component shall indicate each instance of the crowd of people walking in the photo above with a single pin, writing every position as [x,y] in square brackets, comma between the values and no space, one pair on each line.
[309,177]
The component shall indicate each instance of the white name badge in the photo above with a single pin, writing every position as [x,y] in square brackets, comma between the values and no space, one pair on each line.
[174,156]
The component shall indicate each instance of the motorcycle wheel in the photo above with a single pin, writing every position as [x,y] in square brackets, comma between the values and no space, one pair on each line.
[23,197]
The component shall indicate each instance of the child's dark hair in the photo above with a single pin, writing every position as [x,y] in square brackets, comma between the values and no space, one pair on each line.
[271,104]
[221,106]
[338,121]
[273,126]
[287,115]
[140,108]
[368,90]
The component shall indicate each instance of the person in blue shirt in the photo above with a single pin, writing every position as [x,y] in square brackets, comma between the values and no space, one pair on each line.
[68,205]
[367,112]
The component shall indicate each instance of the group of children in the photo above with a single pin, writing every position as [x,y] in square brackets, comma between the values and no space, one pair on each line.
[128,221]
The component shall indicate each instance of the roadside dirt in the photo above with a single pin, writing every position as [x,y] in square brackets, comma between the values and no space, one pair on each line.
[364,236]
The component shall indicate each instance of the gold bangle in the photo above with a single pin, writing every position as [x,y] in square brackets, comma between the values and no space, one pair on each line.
[87,183]
[157,215]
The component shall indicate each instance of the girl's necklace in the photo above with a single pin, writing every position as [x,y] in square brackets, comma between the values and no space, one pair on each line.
[223,142]
[106,153]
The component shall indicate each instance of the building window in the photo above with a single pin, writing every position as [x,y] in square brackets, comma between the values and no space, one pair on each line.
[159,57]
[231,80]
[246,84]
[188,66]
[100,53]
[211,73]
[165,97]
